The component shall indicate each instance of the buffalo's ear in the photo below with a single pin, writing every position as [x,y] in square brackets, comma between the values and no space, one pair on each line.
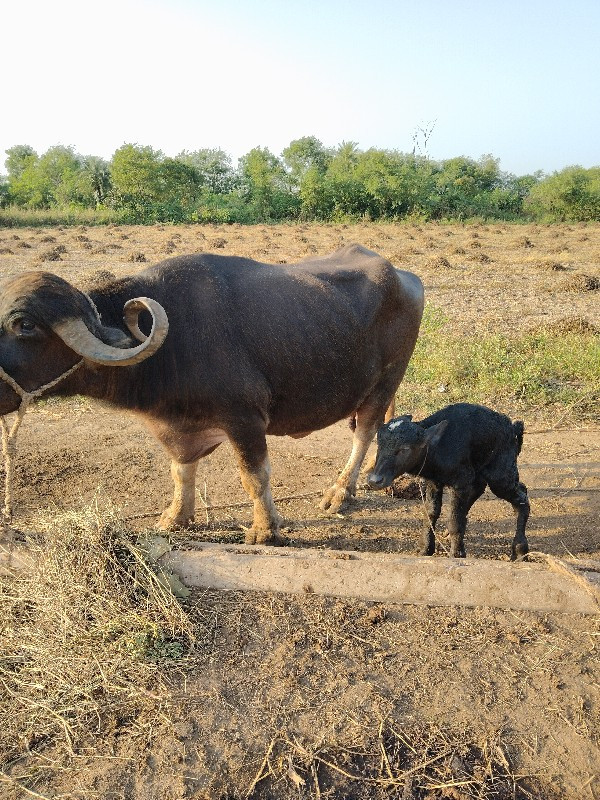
[435,433]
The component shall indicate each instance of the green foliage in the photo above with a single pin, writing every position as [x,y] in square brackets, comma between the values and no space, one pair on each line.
[18,158]
[154,188]
[308,182]
[265,186]
[56,178]
[540,369]
[213,168]
[571,195]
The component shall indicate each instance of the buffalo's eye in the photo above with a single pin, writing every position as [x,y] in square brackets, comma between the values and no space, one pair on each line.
[24,326]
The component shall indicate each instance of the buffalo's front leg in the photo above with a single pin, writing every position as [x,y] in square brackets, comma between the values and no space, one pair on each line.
[250,447]
[181,511]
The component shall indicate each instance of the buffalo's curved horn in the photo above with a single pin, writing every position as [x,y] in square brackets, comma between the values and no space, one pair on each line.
[131,312]
[76,334]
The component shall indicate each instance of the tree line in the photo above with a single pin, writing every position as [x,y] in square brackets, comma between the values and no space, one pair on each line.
[307,182]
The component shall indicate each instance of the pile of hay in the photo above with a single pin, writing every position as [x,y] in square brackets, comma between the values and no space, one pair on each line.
[580,283]
[83,635]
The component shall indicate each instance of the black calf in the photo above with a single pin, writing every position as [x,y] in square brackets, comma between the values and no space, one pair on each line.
[466,448]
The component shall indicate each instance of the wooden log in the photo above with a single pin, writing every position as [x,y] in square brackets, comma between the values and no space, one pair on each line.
[380,577]
[524,586]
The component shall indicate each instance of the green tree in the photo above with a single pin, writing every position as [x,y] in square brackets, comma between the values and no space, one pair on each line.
[213,167]
[135,176]
[152,187]
[573,194]
[397,184]
[344,185]
[96,171]
[18,158]
[56,178]
[265,186]
[307,161]
[304,154]
[464,187]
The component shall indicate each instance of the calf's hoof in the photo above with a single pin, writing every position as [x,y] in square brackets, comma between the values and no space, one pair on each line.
[519,552]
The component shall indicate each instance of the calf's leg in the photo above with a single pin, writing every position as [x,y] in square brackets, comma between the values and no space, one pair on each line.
[461,500]
[516,494]
[433,505]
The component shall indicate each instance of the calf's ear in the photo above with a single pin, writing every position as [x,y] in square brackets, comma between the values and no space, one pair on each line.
[435,433]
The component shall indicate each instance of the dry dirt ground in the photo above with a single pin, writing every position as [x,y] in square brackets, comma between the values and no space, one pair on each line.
[315,697]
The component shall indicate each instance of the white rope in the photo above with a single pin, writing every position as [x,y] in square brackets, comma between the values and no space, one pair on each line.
[9,435]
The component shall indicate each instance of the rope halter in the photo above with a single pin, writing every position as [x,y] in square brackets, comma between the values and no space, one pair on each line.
[9,435]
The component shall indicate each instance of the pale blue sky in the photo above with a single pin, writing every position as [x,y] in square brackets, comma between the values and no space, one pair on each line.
[519,79]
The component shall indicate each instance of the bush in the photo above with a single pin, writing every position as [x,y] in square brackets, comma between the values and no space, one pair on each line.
[571,195]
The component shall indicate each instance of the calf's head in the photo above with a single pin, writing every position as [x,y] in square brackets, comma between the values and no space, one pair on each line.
[46,326]
[402,446]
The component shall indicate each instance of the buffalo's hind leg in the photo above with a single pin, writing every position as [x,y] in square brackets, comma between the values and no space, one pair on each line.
[367,422]
[389,415]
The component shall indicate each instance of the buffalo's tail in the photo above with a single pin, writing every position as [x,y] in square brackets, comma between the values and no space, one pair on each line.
[519,429]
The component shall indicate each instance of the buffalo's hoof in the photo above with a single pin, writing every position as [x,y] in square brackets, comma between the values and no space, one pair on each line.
[172,522]
[334,499]
[272,538]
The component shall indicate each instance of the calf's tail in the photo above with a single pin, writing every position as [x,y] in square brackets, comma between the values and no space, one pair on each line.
[519,428]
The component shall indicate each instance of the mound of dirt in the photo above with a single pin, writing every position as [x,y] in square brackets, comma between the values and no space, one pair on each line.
[439,262]
[406,488]
[580,283]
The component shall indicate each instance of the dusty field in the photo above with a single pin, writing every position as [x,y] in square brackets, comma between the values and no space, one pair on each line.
[312,697]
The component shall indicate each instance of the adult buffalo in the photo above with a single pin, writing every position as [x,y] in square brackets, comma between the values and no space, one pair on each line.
[252,349]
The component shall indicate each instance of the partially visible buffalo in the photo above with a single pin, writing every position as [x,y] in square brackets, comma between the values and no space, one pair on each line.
[252,349]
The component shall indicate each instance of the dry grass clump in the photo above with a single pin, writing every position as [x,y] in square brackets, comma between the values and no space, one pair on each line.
[100,277]
[524,241]
[551,265]
[54,254]
[580,283]
[411,762]
[480,258]
[439,262]
[137,257]
[573,324]
[6,251]
[83,632]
